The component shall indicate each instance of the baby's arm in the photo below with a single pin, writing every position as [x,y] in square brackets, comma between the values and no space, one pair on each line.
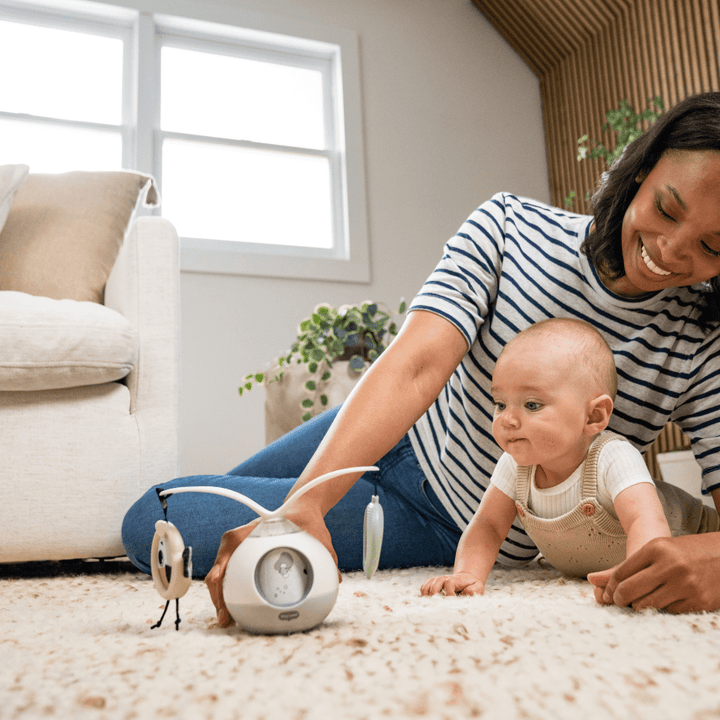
[641,515]
[478,547]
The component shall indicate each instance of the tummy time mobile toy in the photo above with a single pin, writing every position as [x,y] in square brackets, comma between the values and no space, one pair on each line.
[280,579]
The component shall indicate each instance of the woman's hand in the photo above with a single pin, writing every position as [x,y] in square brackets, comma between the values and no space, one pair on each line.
[458,583]
[310,521]
[680,574]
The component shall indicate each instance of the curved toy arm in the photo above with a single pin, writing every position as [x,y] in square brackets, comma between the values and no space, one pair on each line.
[314,483]
[259,509]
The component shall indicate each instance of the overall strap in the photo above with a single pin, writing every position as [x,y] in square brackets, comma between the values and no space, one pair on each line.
[522,485]
[589,475]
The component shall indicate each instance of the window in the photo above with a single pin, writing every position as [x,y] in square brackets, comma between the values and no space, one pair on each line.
[48,119]
[253,135]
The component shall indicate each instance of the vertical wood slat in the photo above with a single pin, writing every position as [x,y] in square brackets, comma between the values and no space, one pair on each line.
[608,51]
[660,47]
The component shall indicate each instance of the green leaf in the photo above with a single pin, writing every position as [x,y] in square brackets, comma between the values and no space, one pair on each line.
[324,400]
[248,386]
[311,386]
[307,403]
[317,354]
[312,367]
[306,417]
[259,377]
[356,363]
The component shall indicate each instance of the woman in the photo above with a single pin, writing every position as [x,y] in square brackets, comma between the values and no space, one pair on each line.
[643,271]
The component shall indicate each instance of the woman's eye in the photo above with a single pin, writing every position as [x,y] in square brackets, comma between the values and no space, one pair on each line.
[661,210]
[709,251]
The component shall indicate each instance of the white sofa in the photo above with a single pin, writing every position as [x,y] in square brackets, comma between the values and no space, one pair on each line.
[88,402]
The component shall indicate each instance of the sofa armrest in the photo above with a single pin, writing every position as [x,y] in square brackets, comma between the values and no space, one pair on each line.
[144,286]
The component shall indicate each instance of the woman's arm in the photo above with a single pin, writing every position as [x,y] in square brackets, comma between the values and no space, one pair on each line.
[679,574]
[478,547]
[392,395]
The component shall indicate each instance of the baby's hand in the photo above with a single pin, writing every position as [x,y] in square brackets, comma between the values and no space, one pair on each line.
[457,584]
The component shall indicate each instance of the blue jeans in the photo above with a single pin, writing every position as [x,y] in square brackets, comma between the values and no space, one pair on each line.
[418,530]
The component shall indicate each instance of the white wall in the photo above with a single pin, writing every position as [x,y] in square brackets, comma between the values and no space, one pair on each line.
[451,116]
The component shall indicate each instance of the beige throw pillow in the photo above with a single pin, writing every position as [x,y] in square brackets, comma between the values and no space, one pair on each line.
[63,232]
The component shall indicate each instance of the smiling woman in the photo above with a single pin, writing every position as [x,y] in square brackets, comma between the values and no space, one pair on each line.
[423,412]
[660,198]
[671,230]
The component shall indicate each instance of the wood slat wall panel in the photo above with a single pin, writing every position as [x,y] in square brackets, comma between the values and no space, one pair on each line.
[591,54]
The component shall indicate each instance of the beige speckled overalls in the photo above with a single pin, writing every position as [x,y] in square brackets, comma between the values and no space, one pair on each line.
[588,538]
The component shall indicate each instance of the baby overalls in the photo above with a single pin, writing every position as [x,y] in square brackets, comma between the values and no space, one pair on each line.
[588,538]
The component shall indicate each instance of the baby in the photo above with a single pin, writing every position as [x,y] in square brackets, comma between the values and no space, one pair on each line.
[583,494]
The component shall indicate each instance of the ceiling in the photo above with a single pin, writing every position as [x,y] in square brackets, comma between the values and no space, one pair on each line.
[544,32]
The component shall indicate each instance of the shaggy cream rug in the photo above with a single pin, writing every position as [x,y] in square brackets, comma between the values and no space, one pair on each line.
[75,642]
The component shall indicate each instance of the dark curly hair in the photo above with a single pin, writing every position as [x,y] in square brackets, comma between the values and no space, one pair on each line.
[692,124]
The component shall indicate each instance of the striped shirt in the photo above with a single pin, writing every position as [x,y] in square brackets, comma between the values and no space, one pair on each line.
[513,263]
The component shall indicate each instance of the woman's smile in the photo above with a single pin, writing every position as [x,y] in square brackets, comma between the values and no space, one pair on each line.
[650,264]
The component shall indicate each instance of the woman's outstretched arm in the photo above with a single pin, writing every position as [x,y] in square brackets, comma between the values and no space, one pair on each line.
[394,393]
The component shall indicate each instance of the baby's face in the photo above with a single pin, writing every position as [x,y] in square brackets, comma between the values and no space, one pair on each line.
[541,407]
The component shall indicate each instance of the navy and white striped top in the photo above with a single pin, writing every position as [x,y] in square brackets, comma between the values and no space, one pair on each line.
[515,262]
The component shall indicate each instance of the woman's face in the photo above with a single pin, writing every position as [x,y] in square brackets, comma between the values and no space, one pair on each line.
[671,230]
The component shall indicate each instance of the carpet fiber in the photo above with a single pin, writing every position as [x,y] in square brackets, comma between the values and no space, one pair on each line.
[76,642]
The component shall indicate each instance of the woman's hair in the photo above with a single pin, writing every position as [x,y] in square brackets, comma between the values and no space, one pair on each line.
[692,124]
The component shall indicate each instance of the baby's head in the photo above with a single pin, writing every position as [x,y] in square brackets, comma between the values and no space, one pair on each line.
[553,387]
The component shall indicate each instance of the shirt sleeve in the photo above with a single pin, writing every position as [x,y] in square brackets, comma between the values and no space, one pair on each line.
[464,284]
[620,466]
[504,477]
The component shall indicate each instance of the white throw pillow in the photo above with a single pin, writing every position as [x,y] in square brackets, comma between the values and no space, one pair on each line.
[11,176]
[48,344]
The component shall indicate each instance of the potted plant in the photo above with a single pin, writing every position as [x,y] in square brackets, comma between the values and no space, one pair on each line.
[627,126]
[332,350]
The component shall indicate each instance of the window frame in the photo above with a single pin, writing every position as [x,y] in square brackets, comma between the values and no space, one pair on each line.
[113,22]
[223,30]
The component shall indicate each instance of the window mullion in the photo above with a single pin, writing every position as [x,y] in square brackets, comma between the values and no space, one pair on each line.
[167,134]
[41,119]
[145,95]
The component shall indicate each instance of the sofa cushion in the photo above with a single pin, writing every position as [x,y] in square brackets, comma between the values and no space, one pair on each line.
[63,232]
[48,344]
[10,178]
